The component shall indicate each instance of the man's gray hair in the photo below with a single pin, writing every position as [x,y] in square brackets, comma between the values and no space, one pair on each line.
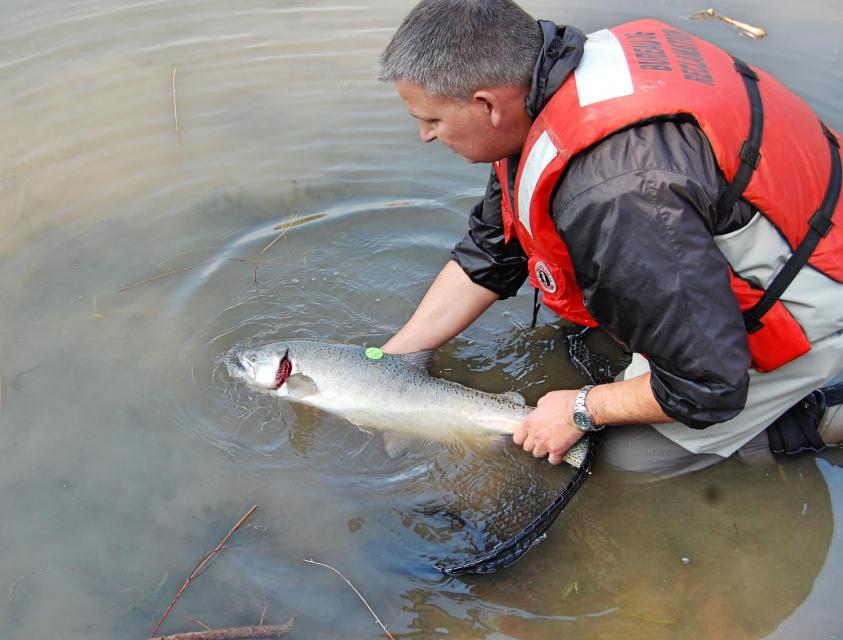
[454,47]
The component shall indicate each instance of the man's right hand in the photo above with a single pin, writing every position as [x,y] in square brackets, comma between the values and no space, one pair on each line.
[451,304]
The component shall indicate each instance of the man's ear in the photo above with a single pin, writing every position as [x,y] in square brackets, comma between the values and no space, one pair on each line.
[492,105]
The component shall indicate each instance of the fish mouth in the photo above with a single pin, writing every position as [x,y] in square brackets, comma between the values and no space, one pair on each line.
[285,367]
[234,366]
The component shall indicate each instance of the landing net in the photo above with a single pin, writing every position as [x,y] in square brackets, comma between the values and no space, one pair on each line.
[597,369]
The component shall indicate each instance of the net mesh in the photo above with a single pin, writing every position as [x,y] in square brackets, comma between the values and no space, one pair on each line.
[596,369]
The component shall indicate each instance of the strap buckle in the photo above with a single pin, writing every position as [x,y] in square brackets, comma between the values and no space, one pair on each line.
[750,154]
[828,134]
[752,323]
[745,70]
[821,223]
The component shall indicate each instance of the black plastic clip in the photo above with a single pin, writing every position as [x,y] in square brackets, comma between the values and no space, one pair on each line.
[752,323]
[821,223]
[745,70]
[750,154]
[831,137]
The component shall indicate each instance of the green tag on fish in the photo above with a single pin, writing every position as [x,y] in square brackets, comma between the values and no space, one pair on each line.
[373,353]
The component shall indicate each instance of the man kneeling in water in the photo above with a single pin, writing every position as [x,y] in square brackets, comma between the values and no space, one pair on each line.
[639,194]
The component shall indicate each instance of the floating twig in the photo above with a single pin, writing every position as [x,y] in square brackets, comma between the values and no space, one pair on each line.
[238,633]
[748,29]
[158,277]
[289,226]
[378,620]
[298,221]
[175,106]
[17,383]
[201,566]
[48,569]
[95,312]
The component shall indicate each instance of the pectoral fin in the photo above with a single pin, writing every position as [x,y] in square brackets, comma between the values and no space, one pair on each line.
[397,444]
[301,385]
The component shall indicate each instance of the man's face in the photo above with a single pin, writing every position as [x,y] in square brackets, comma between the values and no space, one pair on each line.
[465,127]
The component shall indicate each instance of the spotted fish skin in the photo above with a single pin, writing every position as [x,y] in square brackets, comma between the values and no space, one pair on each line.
[379,391]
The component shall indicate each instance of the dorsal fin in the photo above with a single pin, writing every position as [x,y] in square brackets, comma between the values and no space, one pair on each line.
[422,360]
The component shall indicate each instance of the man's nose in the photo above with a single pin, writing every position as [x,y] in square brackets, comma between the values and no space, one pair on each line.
[426,132]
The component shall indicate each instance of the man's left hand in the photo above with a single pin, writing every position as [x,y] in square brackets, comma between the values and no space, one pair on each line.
[549,430]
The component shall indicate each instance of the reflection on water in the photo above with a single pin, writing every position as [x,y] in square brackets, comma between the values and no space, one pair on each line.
[295,201]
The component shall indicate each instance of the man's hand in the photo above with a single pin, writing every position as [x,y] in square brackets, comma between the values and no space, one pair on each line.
[549,430]
[451,304]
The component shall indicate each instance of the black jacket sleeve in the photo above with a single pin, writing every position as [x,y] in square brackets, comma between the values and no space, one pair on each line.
[490,262]
[636,213]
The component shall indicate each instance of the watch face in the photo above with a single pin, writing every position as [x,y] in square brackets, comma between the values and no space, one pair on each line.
[582,421]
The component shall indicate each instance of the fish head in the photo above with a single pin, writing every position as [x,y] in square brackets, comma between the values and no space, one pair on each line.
[266,367]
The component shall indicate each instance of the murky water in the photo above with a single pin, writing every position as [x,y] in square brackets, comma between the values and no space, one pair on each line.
[134,250]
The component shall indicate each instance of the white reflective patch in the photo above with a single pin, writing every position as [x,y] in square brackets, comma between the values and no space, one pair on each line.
[603,72]
[757,252]
[541,155]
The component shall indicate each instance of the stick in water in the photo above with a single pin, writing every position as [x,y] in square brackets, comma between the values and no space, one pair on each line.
[202,565]
[175,106]
[238,633]
[378,620]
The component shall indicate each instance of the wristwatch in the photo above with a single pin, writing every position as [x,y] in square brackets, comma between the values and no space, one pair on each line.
[582,416]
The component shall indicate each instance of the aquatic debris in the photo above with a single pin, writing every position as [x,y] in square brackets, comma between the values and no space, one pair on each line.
[237,633]
[175,106]
[686,561]
[17,383]
[153,278]
[573,587]
[283,233]
[648,618]
[743,27]
[203,564]
[285,227]
[299,221]
[161,582]
[44,570]
[348,582]
[95,313]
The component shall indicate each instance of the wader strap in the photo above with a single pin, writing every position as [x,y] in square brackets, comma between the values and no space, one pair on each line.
[750,152]
[536,306]
[820,224]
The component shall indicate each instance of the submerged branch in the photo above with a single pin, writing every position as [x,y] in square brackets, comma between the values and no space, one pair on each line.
[202,565]
[359,595]
[153,278]
[269,246]
[237,633]
[175,106]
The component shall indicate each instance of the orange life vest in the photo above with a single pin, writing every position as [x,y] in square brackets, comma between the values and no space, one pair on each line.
[772,149]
